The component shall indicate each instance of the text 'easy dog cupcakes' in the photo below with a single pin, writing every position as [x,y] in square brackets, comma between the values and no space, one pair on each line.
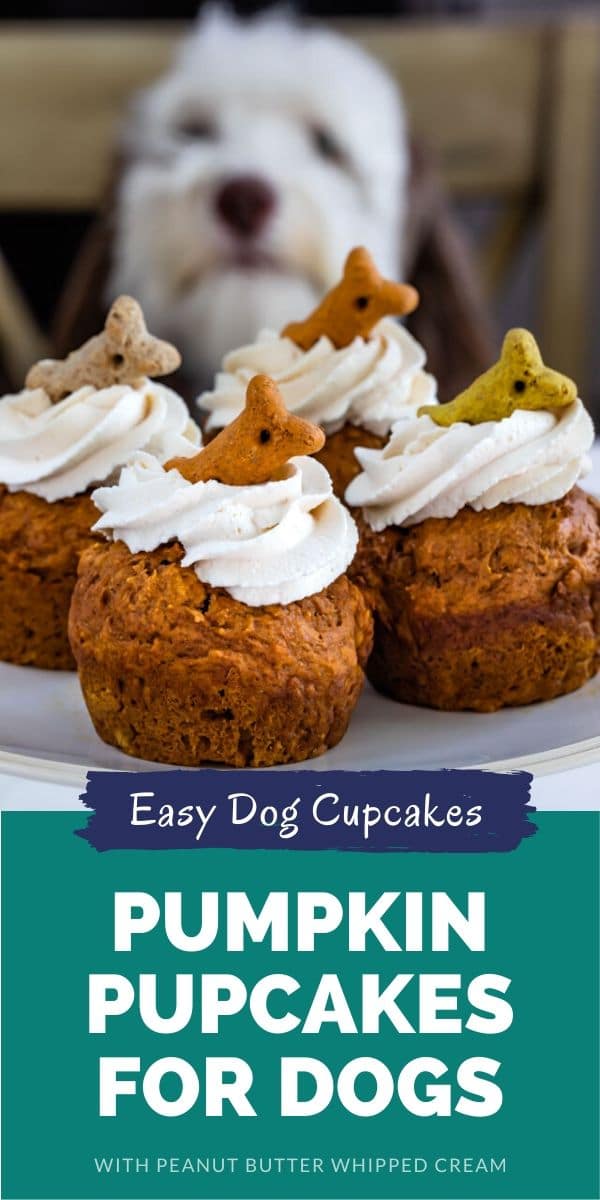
[480,556]
[72,426]
[349,367]
[218,624]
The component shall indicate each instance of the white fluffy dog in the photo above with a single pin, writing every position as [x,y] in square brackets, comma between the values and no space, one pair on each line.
[251,168]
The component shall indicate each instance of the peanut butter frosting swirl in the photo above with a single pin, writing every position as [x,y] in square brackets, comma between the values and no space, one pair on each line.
[428,470]
[372,382]
[62,449]
[269,543]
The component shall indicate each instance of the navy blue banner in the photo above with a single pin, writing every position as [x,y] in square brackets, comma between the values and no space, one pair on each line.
[437,811]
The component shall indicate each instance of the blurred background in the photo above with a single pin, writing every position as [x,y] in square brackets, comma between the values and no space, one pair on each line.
[503,106]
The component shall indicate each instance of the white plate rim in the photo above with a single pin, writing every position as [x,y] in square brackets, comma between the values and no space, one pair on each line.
[564,758]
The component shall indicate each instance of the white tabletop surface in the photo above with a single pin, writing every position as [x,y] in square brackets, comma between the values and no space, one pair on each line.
[573,789]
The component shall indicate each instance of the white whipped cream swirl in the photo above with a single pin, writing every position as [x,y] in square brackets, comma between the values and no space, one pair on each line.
[426,470]
[372,382]
[269,543]
[59,450]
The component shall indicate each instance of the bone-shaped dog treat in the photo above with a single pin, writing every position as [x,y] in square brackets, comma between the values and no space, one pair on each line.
[123,353]
[254,447]
[354,306]
[518,380]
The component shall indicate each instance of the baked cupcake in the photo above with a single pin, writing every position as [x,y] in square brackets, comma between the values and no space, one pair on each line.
[349,368]
[479,555]
[218,624]
[72,426]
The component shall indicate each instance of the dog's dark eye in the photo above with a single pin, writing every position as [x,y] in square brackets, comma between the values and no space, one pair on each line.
[519,385]
[361,302]
[196,129]
[326,145]
[265,435]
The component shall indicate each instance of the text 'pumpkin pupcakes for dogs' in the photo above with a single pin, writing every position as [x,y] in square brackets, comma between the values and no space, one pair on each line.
[73,425]
[480,556]
[349,367]
[218,624]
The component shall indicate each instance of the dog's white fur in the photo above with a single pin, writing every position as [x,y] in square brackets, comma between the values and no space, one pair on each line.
[263,86]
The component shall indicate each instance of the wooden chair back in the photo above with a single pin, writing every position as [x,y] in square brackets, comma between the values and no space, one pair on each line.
[511,113]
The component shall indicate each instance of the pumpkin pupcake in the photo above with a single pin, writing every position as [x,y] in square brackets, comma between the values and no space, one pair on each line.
[218,624]
[480,556]
[349,367]
[75,422]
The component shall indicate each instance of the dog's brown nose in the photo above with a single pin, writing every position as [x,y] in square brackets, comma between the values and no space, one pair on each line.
[244,202]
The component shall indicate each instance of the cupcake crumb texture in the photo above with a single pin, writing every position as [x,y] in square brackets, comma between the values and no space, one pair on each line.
[176,671]
[485,609]
[40,545]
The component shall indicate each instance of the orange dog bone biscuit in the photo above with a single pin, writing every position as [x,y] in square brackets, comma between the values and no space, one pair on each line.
[123,353]
[254,447]
[354,306]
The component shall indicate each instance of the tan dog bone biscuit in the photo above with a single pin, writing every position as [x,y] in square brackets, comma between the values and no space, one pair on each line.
[354,306]
[123,353]
[254,447]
